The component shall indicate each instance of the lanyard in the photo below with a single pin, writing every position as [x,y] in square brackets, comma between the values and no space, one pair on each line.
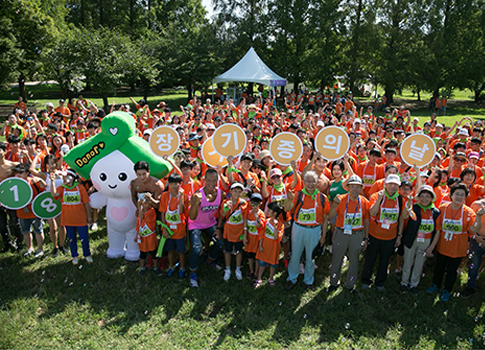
[458,211]
[170,200]
[356,208]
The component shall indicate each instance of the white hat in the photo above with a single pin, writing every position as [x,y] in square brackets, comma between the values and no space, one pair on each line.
[355,180]
[357,121]
[49,104]
[148,132]
[320,123]
[393,179]
[463,131]
[429,189]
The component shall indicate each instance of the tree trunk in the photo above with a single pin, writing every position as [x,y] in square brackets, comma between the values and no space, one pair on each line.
[21,82]
[145,94]
[106,104]
[390,96]
[250,89]
[189,90]
[63,91]
[419,93]
[477,92]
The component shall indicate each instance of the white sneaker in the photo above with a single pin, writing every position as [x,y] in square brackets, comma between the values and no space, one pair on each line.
[227,274]
[29,252]
[75,260]
[39,253]
[94,226]
[193,281]
[302,268]
[89,259]
[239,274]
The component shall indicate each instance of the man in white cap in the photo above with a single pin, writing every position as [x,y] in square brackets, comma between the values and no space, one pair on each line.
[387,213]
[351,232]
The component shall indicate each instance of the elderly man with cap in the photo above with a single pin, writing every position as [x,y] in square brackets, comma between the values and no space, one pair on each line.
[309,210]
[351,233]
[388,214]
[417,237]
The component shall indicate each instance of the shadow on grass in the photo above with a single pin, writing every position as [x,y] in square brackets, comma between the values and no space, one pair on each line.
[113,287]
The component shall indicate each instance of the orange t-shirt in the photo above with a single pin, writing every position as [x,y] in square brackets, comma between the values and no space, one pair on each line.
[73,211]
[26,212]
[191,188]
[271,234]
[388,214]
[146,229]
[234,226]
[476,192]
[253,231]
[311,211]
[454,226]
[369,175]
[357,214]
[175,220]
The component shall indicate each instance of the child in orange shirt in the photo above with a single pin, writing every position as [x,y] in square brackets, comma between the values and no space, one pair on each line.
[232,219]
[269,243]
[146,224]
[251,235]
[174,205]
[75,214]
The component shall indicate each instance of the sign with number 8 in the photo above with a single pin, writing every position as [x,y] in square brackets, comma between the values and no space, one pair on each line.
[46,207]
[15,193]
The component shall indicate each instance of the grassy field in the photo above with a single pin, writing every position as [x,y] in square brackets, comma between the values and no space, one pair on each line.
[50,303]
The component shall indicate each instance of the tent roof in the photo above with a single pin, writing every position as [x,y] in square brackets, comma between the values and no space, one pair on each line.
[252,69]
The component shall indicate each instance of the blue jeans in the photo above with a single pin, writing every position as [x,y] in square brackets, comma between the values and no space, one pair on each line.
[196,243]
[303,238]
[83,236]
[476,261]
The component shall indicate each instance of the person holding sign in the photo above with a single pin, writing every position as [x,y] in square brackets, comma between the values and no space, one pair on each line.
[27,217]
[456,222]
[351,232]
[370,171]
[57,232]
[417,237]
[76,213]
[388,214]
[309,210]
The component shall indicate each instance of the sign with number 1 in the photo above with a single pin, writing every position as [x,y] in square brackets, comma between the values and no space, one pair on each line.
[15,193]
[45,206]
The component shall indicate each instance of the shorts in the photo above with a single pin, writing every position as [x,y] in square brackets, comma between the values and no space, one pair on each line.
[175,244]
[250,255]
[153,253]
[264,264]
[232,247]
[36,224]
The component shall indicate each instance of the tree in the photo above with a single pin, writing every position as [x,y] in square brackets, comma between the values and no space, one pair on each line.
[103,60]
[26,34]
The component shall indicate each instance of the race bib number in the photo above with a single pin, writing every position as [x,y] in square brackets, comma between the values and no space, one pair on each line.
[369,181]
[236,218]
[452,227]
[252,229]
[173,218]
[307,216]
[71,197]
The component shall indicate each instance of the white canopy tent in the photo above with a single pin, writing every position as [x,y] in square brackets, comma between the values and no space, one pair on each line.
[251,69]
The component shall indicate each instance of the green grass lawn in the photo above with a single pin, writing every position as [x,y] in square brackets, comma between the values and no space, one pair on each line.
[50,303]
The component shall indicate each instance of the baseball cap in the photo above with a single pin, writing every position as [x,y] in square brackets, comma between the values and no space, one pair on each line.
[193,136]
[393,179]
[256,197]
[237,185]
[429,189]
[264,153]
[355,180]
[274,172]
[320,123]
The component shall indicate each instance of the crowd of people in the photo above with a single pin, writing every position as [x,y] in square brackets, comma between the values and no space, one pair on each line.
[369,203]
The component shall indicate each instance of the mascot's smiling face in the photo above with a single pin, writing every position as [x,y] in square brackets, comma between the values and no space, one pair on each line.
[112,175]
